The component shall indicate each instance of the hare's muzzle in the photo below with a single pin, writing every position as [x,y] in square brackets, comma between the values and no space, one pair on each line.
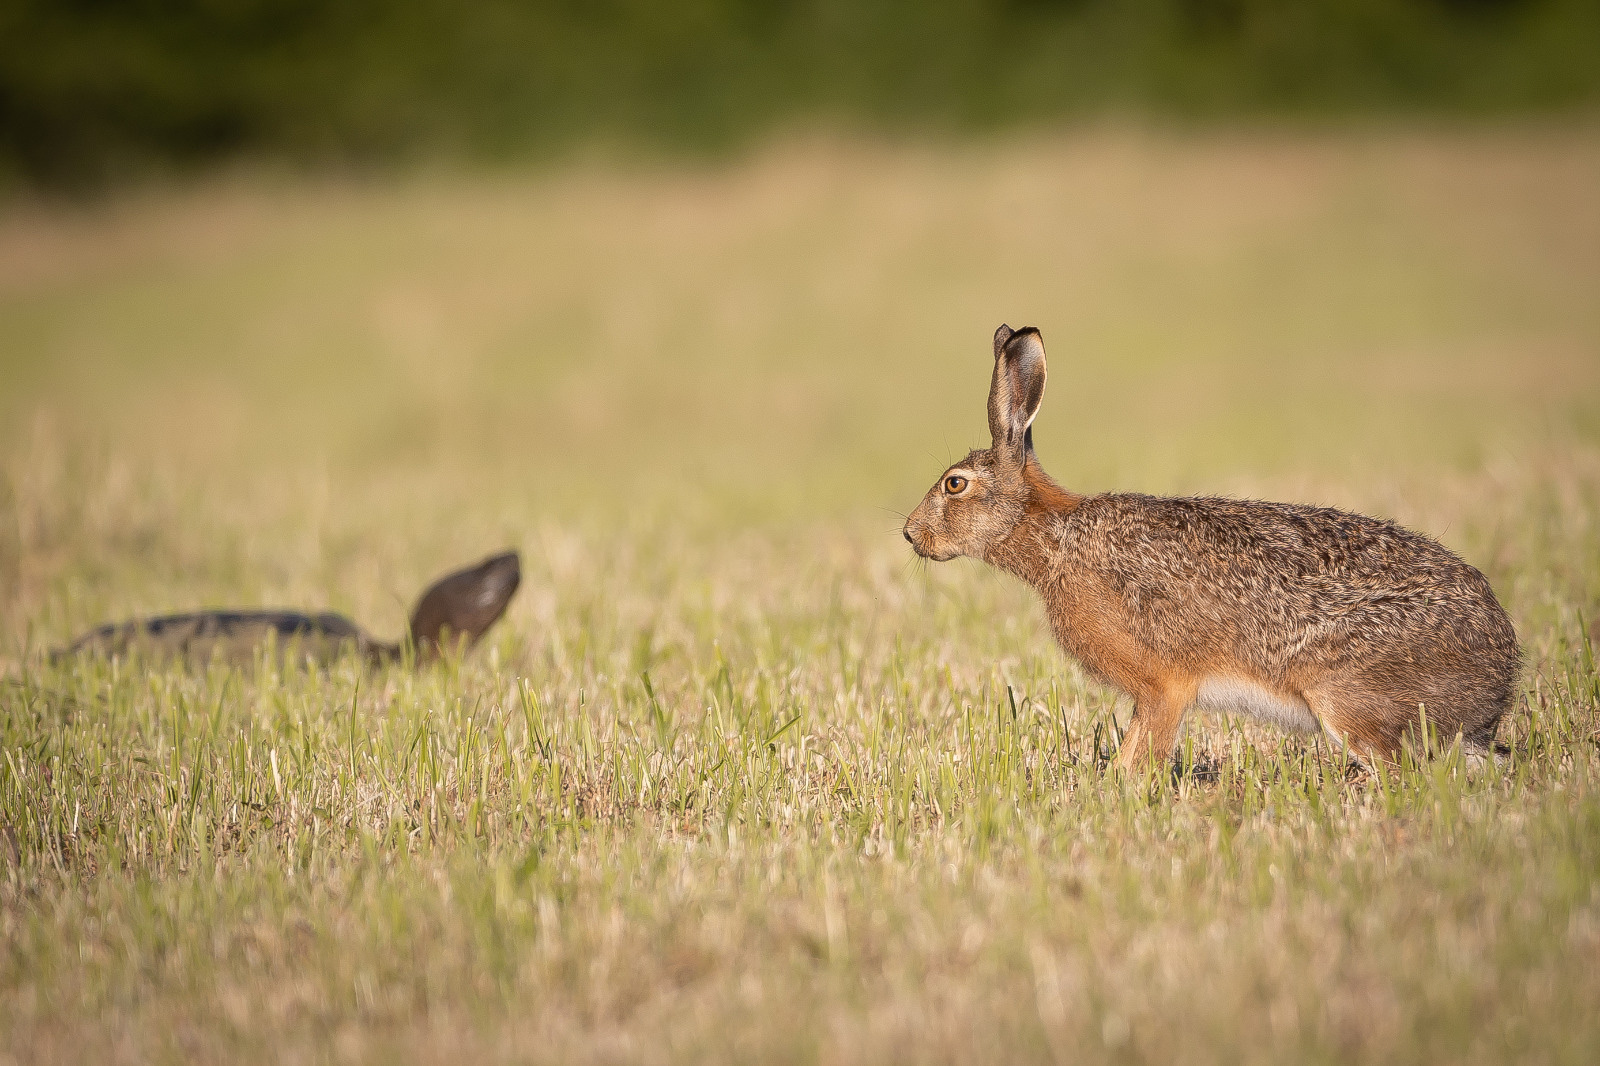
[922,541]
[911,539]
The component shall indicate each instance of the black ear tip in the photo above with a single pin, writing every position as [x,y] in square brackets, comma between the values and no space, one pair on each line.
[1001,336]
[1018,340]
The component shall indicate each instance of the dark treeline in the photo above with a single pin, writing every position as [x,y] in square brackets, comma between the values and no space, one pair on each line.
[90,89]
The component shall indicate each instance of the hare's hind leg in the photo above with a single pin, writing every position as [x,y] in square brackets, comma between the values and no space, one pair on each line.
[1153,733]
[1359,718]
[1387,705]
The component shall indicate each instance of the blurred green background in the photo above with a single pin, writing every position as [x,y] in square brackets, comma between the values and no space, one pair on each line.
[93,90]
[249,390]
[502,261]
[748,255]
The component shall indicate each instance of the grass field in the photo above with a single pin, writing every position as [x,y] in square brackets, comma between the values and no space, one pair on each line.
[735,779]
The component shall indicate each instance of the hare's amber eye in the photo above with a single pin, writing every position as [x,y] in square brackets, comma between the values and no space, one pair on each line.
[954,484]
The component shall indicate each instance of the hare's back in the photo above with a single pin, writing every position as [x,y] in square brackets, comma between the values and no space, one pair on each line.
[232,635]
[1280,577]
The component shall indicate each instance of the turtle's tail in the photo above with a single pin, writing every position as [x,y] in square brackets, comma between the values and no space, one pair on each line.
[462,605]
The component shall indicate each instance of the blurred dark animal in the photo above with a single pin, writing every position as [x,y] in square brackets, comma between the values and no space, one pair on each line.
[455,610]
[1305,617]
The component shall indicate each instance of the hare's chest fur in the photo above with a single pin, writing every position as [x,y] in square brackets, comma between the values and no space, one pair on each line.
[1238,695]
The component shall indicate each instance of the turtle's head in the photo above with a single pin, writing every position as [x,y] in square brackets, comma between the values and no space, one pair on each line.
[462,605]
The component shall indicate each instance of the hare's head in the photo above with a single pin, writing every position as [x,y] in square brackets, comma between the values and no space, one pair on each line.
[979,501]
[462,605]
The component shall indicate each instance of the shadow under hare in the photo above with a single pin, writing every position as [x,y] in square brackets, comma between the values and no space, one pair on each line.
[1305,617]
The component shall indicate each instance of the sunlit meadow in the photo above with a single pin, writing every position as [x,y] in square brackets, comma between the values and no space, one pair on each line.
[736,779]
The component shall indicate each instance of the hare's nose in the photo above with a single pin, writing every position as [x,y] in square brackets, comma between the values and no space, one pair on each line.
[905,531]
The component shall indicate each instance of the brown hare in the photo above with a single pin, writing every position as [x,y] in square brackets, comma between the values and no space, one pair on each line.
[458,607]
[1305,617]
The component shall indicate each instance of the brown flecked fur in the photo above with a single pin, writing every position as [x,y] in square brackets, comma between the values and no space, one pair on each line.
[1306,616]
[458,607]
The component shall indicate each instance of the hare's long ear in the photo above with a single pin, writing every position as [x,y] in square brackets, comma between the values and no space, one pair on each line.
[1018,389]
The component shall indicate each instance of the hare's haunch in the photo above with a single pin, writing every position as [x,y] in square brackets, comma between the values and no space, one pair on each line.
[1306,617]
